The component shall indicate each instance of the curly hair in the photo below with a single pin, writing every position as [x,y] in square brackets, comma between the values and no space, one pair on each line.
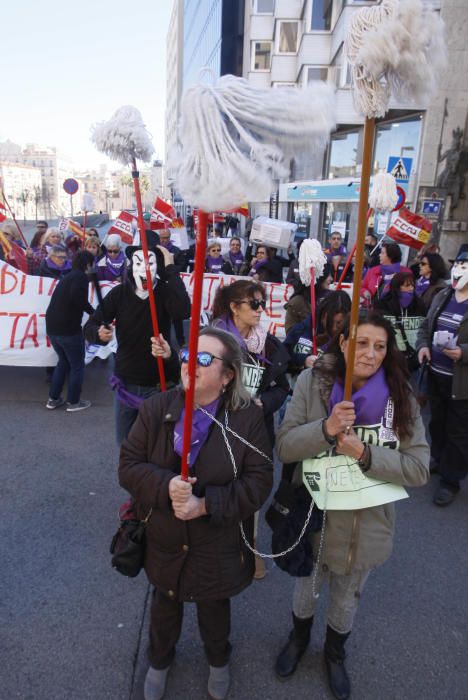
[394,365]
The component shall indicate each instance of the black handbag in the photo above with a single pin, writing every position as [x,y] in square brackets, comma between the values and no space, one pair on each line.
[286,517]
[129,542]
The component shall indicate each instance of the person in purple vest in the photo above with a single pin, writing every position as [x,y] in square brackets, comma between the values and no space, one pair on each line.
[443,343]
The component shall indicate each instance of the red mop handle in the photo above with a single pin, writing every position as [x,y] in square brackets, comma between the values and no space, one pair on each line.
[313,310]
[15,222]
[351,255]
[149,281]
[200,253]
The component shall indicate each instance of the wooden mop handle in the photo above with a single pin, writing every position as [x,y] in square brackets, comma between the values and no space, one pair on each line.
[369,127]
[149,281]
[349,260]
[200,253]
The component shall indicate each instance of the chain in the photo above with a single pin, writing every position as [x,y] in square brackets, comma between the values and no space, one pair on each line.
[234,466]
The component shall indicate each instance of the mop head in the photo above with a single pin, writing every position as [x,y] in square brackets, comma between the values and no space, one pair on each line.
[384,195]
[234,139]
[123,137]
[396,49]
[311,255]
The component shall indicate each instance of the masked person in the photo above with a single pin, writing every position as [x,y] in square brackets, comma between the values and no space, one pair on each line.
[443,343]
[136,372]
[406,312]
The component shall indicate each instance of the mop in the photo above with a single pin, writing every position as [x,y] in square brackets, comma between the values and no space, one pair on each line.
[124,138]
[312,260]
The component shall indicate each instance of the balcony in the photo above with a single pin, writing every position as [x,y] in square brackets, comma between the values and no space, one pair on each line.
[262,27]
[283,69]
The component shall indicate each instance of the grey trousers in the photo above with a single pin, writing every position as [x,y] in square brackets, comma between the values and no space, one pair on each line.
[344,595]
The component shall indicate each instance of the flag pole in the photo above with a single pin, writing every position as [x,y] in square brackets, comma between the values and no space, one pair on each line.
[368,143]
[200,252]
[149,281]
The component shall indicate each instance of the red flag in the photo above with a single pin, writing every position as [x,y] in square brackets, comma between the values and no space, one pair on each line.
[410,229]
[17,257]
[125,225]
[3,214]
[76,229]
[162,213]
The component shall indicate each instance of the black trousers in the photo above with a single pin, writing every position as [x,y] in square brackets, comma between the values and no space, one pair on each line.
[449,430]
[214,623]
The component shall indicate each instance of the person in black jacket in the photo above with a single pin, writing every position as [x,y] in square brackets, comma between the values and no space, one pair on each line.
[63,324]
[136,372]
[56,264]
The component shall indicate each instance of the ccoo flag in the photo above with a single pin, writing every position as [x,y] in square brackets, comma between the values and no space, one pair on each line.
[126,226]
[410,229]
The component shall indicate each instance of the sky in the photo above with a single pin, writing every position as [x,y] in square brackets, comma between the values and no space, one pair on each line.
[67,65]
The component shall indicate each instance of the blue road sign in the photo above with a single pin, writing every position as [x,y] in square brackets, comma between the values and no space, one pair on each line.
[431,206]
[400,168]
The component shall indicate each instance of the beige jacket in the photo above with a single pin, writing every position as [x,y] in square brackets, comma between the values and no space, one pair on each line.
[362,539]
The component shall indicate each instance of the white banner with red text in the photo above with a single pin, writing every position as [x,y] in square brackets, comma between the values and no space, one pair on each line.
[24,300]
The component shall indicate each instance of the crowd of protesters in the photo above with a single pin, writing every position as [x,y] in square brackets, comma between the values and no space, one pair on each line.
[255,393]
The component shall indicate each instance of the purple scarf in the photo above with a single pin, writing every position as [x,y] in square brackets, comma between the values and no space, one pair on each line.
[169,246]
[116,267]
[125,397]
[201,424]
[236,259]
[53,266]
[387,272]
[369,401]
[405,299]
[214,264]
[422,284]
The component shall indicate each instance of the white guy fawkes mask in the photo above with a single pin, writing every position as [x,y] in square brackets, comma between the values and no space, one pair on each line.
[139,272]
[459,274]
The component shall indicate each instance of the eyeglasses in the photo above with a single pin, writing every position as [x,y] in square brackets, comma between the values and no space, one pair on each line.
[111,251]
[204,358]
[255,304]
[215,250]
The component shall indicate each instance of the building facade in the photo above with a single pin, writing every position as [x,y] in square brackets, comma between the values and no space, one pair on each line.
[22,185]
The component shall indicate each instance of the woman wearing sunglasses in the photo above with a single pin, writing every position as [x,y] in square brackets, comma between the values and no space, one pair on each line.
[194,548]
[112,266]
[238,308]
[215,263]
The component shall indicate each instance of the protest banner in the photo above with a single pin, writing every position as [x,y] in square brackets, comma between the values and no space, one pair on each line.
[277,295]
[24,300]
[23,303]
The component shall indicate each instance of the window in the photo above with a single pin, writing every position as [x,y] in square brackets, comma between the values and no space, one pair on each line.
[316,73]
[341,69]
[344,155]
[398,138]
[287,37]
[263,7]
[321,15]
[261,55]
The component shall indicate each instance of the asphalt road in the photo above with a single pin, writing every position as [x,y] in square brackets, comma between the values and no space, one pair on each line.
[72,628]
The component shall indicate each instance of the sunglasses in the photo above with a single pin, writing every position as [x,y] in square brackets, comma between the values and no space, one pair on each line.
[204,358]
[111,251]
[216,250]
[255,304]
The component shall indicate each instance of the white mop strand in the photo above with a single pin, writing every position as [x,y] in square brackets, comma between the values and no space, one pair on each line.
[384,195]
[123,137]
[311,255]
[396,48]
[234,139]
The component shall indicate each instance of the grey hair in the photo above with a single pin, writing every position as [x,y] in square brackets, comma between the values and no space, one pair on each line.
[57,249]
[236,394]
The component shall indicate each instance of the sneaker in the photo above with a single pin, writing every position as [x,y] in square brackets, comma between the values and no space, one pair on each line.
[80,406]
[54,403]
[155,683]
[218,682]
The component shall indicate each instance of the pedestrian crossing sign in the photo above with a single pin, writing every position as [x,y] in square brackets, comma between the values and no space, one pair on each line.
[400,168]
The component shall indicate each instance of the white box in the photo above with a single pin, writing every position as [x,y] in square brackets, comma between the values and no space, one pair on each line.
[272,232]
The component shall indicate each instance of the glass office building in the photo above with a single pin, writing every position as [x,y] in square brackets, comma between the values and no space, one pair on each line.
[213,38]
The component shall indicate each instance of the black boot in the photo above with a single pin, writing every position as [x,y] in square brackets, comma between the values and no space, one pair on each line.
[335,655]
[299,638]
